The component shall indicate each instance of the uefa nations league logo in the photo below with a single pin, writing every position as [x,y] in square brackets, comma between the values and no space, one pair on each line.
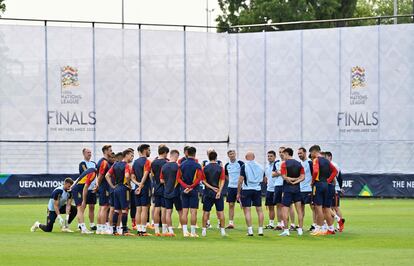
[358,83]
[69,80]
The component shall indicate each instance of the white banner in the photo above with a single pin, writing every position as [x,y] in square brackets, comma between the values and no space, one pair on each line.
[348,89]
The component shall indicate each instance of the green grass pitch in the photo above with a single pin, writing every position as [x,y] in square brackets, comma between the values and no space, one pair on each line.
[377,232]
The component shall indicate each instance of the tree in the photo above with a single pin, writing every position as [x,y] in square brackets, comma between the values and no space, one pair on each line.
[376,8]
[230,13]
[266,11]
[2,7]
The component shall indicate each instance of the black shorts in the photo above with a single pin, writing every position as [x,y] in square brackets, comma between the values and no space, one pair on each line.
[159,201]
[91,197]
[251,197]
[277,195]
[306,197]
[231,195]
[176,201]
[208,203]
[270,199]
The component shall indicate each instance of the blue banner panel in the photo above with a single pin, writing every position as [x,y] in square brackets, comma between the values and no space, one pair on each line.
[354,185]
[378,185]
[22,186]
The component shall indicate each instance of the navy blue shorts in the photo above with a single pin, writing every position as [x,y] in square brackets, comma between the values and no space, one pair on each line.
[103,196]
[306,197]
[321,195]
[144,198]
[251,197]
[231,195]
[291,197]
[208,203]
[159,201]
[189,200]
[277,195]
[176,201]
[77,194]
[121,197]
[132,199]
[91,197]
[270,198]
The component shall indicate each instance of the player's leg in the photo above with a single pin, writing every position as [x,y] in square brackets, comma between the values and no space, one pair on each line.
[298,206]
[292,217]
[48,227]
[207,204]
[277,199]
[157,215]
[257,202]
[184,221]
[144,218]
[125,204]
[178,204]
[246,202]
[271,209]
[320,200]
[91,201]
[133,209]
[138,211]
[193,211]
[204,222]
[340,219]
[231,200]
[286,205]
[220,215]
[163,218]
[327,209]
[78,198]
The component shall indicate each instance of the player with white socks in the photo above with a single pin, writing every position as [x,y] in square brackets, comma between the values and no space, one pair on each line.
[249,191]
[293,173]
[214,182]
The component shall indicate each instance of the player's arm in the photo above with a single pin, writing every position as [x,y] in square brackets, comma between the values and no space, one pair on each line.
[275,171]
[82,167]
[221,183]
[208,185]
[315,167]
[101,172]
[56,204]
[180,180]
[199,176]
[240,182]
[339,179]
[147,170]
[334,173]
[301,177]
[134,179]
[162,176]
[283,172]
[108,176]
[127,174]
[226,172]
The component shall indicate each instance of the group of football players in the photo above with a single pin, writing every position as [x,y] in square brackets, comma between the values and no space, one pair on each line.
[147,191]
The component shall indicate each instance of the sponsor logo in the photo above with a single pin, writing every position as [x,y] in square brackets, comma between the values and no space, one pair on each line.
[365,192]
[4,178]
